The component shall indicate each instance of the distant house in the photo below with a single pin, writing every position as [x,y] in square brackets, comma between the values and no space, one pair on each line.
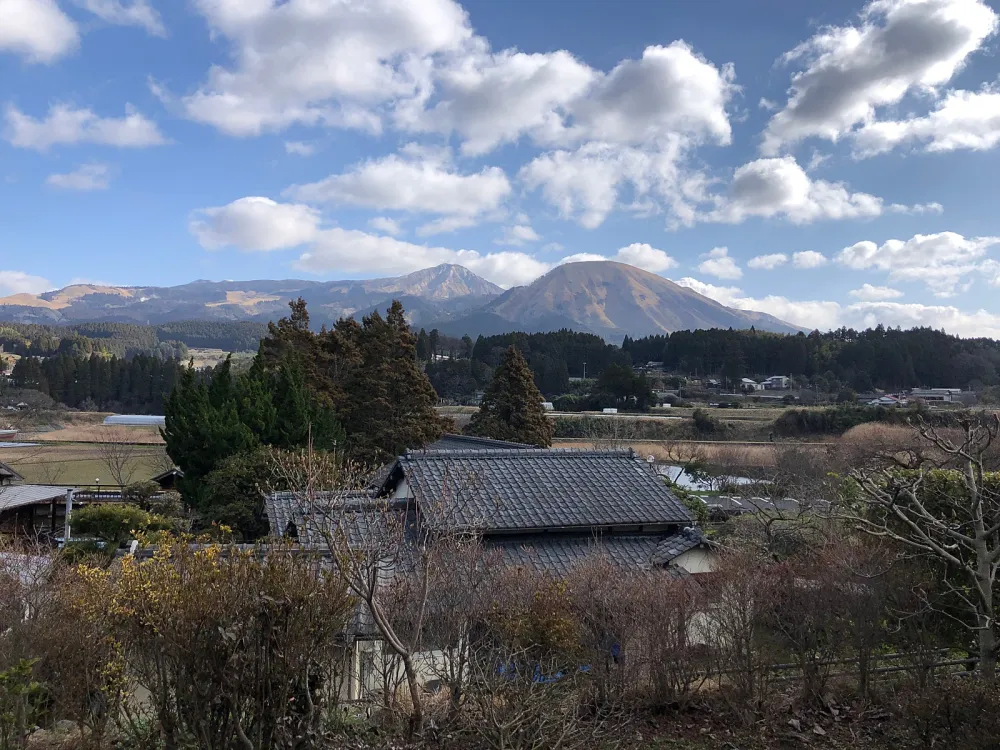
[776,383]
[947,395]
[888,400]
[9,476]
[746,384]
[168,479]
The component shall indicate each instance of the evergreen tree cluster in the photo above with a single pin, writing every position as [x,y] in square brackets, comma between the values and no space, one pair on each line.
[511,408]
[553,357]
[878,357]
[138,385]
[355,389]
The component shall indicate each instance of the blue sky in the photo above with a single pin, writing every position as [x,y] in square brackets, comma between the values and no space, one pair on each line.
[832,163]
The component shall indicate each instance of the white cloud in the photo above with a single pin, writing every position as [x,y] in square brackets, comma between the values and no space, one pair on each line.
[352,251]
[446,225]
[136,13]
[829,315]
[645,256]
[86,177]
[586,185]
[415,185]
[869,293]
[767,262]
[962,120]
[779,187]
[329,63]
[896,47]
[65,125]
[36,29]
[298,148]
[808,259]
[717,263]
[255,224]
[944,262]
[18,282]
[518,234]
[494,98]
[385,224]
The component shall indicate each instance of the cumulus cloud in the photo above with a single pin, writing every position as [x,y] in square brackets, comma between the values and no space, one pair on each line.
[829,315]
[386,225]
[518,234]
[895,47]
[645,256]
[416,185]
[717,263]
[18,282]
[944,262]
[962,120]
[869,293]
[808,259]
[779,187]
[587,184]
[767,262]
[86,177]
[37,30]
[493,98]
[66,125]
[137,13]
[255,224]
[353,251]
[320,63]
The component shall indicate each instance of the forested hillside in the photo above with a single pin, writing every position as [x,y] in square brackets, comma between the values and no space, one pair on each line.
[137,385]
[127,339]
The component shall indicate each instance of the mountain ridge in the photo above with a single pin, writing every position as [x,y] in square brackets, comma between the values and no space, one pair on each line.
[603,297]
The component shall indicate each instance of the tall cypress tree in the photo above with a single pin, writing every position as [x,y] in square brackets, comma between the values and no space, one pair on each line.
[511,408]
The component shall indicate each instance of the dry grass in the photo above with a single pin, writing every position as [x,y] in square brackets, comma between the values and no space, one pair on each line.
[90,433]
[77,464]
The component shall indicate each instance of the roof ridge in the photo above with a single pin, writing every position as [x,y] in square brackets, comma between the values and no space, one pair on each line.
[519,452]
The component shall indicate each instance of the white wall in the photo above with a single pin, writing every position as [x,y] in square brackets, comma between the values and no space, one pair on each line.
[698,560]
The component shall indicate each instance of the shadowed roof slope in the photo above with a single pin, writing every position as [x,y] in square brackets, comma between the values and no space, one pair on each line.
[543,489]
[452,442]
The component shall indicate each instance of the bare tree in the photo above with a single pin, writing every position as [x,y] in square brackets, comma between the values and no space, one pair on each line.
[942,504]
[118,454]
[379,551]
[614,433]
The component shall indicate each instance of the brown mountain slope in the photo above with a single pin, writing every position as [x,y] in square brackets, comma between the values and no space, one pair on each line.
[613,299]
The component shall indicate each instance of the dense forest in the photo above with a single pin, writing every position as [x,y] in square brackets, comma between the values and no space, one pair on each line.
[137,385]
[126,340]
[878,357]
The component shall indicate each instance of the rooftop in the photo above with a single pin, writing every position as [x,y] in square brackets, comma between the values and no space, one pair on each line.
[521,490]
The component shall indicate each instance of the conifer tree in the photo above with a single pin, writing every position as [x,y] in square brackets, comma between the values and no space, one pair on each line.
[511,408]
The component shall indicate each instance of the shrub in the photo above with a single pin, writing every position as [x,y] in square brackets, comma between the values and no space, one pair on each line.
[705,423]
[116,524]
[952,713]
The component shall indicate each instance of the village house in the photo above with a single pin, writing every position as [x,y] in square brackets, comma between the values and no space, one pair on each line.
[545,509]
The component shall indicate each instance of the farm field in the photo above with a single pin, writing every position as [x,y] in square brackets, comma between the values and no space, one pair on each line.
[78,464]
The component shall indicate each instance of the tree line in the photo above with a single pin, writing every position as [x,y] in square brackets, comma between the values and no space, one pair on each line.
[99,383]
[879,357]
[129,339]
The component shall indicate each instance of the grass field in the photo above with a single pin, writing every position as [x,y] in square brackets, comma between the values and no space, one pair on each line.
[79,464]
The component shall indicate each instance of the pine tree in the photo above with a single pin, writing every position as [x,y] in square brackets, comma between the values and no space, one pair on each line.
[388,403]
[511,408]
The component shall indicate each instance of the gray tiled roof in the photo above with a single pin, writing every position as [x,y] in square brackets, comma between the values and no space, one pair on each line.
[537,489]
[20,495]
[363,518]
[8,472]
[674,546]
[558,554]
[452,442]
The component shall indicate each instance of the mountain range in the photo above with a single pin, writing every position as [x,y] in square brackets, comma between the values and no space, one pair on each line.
[602,297]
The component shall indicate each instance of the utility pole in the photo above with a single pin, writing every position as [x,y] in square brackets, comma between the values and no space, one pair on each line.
[584,369]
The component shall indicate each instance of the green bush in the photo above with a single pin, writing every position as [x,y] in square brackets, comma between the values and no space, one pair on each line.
[836,420]
[115,524]
[705,423]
